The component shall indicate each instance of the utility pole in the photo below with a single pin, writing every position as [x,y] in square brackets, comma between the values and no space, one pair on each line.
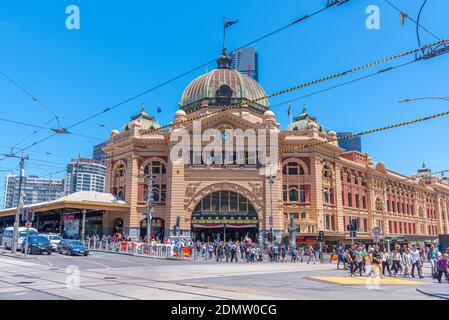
[15,236]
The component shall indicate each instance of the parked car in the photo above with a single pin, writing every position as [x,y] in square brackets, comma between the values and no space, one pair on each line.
[7,236]
[54,240]
[36,244]
[72,247]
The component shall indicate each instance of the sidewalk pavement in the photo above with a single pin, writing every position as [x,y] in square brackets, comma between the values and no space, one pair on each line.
[18,255]
[439,290]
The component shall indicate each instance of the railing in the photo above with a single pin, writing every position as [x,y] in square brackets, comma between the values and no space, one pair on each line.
[204,253]
[165,251]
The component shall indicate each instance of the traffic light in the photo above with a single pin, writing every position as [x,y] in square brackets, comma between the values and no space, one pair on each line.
[27,214]
[320,236]
[178,221]
[354,224]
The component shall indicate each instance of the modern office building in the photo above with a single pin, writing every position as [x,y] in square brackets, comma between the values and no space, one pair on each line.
[84,175]
[35,190]
[353,144]
[98,153]
[246,60]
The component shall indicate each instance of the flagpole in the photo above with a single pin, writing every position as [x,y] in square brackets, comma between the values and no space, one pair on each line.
[291,115]
[224,33]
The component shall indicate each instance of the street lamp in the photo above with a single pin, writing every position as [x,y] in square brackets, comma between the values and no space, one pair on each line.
[424,98]
[271,181]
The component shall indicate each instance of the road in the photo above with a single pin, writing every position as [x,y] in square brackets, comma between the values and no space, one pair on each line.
[103,276]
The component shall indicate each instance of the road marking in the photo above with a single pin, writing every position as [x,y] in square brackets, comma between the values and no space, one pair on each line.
[365,280]
[46,261]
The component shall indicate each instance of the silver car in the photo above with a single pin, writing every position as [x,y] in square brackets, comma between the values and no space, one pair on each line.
[54,240]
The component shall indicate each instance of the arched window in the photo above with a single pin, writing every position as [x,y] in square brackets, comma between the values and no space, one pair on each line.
[293,169]
[224,91]
[155,167]
[120,171]
[224,202]
[327,173]
[293,193]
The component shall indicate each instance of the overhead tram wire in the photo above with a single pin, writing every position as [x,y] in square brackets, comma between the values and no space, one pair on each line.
[411,19]
[344,84]
[46,128]
[303,18]
[294,88]
[27,93]
[303,85]
[32,134]
[354,135]
[183,74]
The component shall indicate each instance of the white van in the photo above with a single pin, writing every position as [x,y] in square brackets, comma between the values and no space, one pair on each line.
[8,232]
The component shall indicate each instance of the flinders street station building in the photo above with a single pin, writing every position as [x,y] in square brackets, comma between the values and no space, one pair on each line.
[320,188]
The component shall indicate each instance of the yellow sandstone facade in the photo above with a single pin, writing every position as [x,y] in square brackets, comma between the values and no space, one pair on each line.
[323,187]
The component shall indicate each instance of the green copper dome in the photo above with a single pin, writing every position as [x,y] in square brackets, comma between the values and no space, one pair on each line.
[301,122]
[147,122]
[221,87]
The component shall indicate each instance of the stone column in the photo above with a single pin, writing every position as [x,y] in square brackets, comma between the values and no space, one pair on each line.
[132,224]
[338,189]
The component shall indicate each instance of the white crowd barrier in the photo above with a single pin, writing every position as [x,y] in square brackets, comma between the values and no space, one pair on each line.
[158,250]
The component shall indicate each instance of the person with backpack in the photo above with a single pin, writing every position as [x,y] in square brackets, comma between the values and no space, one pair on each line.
[442,267]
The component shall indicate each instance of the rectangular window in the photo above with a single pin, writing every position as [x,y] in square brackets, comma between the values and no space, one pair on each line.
[349,199]
[357,201]
[284,193]
[328,222]
[302,193]
[364,202]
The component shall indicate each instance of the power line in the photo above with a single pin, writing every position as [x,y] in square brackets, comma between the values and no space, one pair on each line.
[350,136]
[61,131]
[344,84]
[32,134]
[27,93]
[404,14]
[199,67]
[300,86]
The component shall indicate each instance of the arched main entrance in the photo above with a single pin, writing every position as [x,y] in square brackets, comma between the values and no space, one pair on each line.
[224,215]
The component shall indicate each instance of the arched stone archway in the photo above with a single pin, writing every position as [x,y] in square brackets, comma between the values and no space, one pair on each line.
[225,211]
[226,186]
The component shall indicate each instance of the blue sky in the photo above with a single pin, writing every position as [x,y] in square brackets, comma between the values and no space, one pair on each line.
[125,48]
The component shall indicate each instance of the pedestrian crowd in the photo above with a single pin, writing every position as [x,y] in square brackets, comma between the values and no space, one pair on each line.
[405,261]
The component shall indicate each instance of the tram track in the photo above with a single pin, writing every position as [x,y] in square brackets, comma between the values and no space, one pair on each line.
[110,278]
